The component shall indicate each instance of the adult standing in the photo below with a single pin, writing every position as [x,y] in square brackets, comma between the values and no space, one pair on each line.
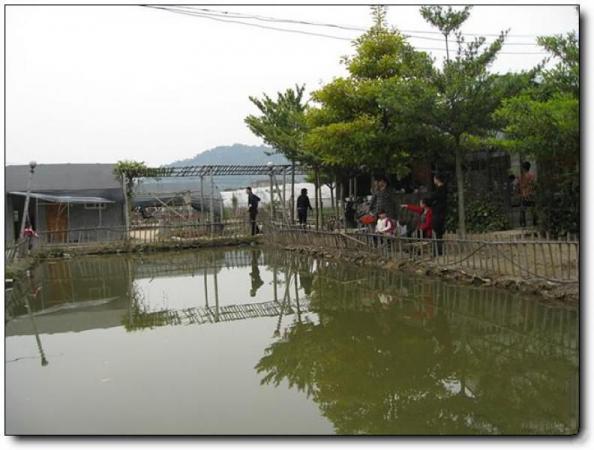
[303,205]
[253,201]
[439,203]
[526,190]
[382,199]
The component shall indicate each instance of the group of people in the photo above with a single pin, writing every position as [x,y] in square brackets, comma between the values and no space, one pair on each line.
[382,211]
[432,212]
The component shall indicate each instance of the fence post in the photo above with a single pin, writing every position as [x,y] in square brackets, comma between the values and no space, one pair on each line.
[126,207]
[211,204]
[577,261]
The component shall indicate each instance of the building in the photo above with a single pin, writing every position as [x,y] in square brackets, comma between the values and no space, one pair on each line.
[65,200]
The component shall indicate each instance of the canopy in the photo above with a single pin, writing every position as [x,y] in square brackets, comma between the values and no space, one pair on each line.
[64,198]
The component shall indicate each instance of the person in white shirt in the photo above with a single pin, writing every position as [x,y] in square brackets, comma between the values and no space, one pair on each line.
[384,224]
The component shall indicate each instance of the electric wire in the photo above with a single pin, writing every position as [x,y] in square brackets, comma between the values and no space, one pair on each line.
[219,18]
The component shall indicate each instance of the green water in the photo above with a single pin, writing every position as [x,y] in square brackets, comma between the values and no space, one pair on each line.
[246,341]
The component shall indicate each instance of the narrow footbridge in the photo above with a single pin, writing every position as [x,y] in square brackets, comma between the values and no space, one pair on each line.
[213,314]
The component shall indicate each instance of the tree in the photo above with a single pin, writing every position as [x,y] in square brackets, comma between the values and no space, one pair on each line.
[129,170]
[543,121]
[350,126]
[281,125]
[457,103]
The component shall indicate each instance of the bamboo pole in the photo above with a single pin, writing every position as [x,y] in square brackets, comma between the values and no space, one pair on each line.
[284,191]
[524,246]
[271,198]
[202,198]
[513,267]
[126,207]
[206,287]
[577,261]
[211,204]
[553,266]
[293,195]
[216,289]
[498,253]
[317,184]
[546,268]
[568,246]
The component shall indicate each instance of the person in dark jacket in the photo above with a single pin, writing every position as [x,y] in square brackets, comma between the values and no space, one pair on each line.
[382,199]
[303,205]
[439,203]
[253,201]
[255,273]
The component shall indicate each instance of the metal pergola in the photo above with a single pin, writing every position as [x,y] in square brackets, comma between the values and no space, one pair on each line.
[223,169]
[211,170]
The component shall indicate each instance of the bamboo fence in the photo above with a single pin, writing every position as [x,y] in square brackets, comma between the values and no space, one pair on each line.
[532,257]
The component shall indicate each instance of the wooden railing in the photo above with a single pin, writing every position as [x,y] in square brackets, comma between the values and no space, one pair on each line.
[556,261]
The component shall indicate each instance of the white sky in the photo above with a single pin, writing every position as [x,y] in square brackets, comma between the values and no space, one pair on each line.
[104,83]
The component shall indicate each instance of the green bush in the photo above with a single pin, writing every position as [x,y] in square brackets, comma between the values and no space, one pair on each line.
[484,212]
[558,204]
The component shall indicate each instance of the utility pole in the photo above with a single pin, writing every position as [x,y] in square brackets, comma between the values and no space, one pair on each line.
[32,166]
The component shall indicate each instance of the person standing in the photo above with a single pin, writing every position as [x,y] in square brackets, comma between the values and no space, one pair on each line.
[29,233]
[303,205]
[253,201]
[439,203]
[426,213]
[382,199]
[526,190]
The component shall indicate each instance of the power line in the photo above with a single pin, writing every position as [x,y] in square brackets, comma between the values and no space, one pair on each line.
[227,14]
[323,24]
[218,18]
[249,24]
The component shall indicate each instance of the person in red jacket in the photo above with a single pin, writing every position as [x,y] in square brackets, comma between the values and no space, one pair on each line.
[425,211]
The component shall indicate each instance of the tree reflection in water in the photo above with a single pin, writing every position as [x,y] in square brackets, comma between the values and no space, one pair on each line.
[394,355]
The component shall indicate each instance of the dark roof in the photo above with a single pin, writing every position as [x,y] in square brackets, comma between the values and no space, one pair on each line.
[62,177]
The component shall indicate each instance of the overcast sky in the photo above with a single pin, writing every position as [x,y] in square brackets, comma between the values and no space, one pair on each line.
[105,83]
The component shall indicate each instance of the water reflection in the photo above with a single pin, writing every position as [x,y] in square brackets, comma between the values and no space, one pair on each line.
[391,355]
[255,273]
[378,352]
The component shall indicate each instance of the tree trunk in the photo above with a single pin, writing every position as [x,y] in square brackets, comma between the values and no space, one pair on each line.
[460,185]
[317,184]
[293,195]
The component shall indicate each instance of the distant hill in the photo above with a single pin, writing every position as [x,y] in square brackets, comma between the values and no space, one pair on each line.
[235,154]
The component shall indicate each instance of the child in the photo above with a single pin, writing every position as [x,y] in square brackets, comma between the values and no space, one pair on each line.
[401,228]
[425,211]
[384,225]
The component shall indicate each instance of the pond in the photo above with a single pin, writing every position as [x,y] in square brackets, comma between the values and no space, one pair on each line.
[256,341]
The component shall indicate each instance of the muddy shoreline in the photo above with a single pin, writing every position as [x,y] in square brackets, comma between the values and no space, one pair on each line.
[555,293]
[18,268]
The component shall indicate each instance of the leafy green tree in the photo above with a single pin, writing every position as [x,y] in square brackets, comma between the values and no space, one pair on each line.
[281,124]
[456,104]
[350,126]
[130,170]
[543,121]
